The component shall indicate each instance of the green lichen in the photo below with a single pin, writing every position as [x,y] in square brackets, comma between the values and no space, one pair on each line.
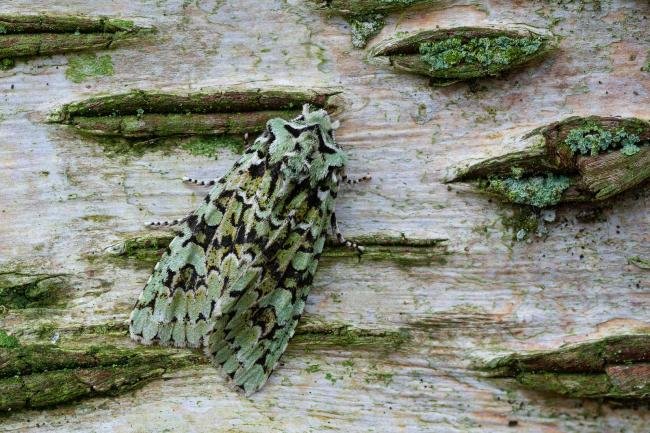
[365,27]
[85,66]
[538,191]
[23,290]
[486,52]
[592,139]
[8,341]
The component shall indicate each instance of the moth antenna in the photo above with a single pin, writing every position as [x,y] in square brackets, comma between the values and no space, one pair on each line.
[350,181]
[341,240]
[199,182]
[165,223]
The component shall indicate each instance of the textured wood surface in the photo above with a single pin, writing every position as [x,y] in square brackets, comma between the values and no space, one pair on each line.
[64,199]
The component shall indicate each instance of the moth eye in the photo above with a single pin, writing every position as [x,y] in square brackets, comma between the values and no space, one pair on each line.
[448,56]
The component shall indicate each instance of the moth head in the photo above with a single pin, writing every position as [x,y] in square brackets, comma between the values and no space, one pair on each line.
[305,146]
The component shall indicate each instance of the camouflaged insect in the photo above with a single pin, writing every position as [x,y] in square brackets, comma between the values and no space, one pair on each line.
[235,280]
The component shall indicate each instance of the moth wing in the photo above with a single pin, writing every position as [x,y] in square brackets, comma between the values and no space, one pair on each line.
[177,303]
[260,316]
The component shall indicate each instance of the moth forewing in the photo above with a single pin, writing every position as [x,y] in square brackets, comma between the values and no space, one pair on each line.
[235,280]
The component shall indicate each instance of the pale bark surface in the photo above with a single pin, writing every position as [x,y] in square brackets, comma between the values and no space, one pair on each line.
[63,199]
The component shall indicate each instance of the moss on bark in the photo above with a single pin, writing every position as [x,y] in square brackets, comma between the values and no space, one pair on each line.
[37,375]
[20,290]
[613,367]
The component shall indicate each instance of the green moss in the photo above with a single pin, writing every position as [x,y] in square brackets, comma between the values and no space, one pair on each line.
[365,27]
[312,335]
[380,377]
[538,191]
[7,341]
[42,44]
[487,52]
[361,7]
[45,331]
[199,145]
[592,139]
[116,24]
[521,222]
[235,101]
[6,64]
[22,290]
[143,250]
[313,368]
[639,262]
[98,218]
[612,367]
[572,385]
[42,23]
[209,146]
[36,376]
[85,66]
[589,357]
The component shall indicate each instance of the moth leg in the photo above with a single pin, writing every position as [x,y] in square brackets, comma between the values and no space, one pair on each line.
[200,182]
[339,237]
[350,181]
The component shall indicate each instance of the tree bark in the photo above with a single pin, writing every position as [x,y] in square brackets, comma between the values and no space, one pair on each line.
[396,341]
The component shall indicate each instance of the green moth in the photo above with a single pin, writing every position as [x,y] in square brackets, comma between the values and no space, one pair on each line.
[235,279]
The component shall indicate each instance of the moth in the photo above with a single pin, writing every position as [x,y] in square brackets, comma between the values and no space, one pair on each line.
[235,279]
